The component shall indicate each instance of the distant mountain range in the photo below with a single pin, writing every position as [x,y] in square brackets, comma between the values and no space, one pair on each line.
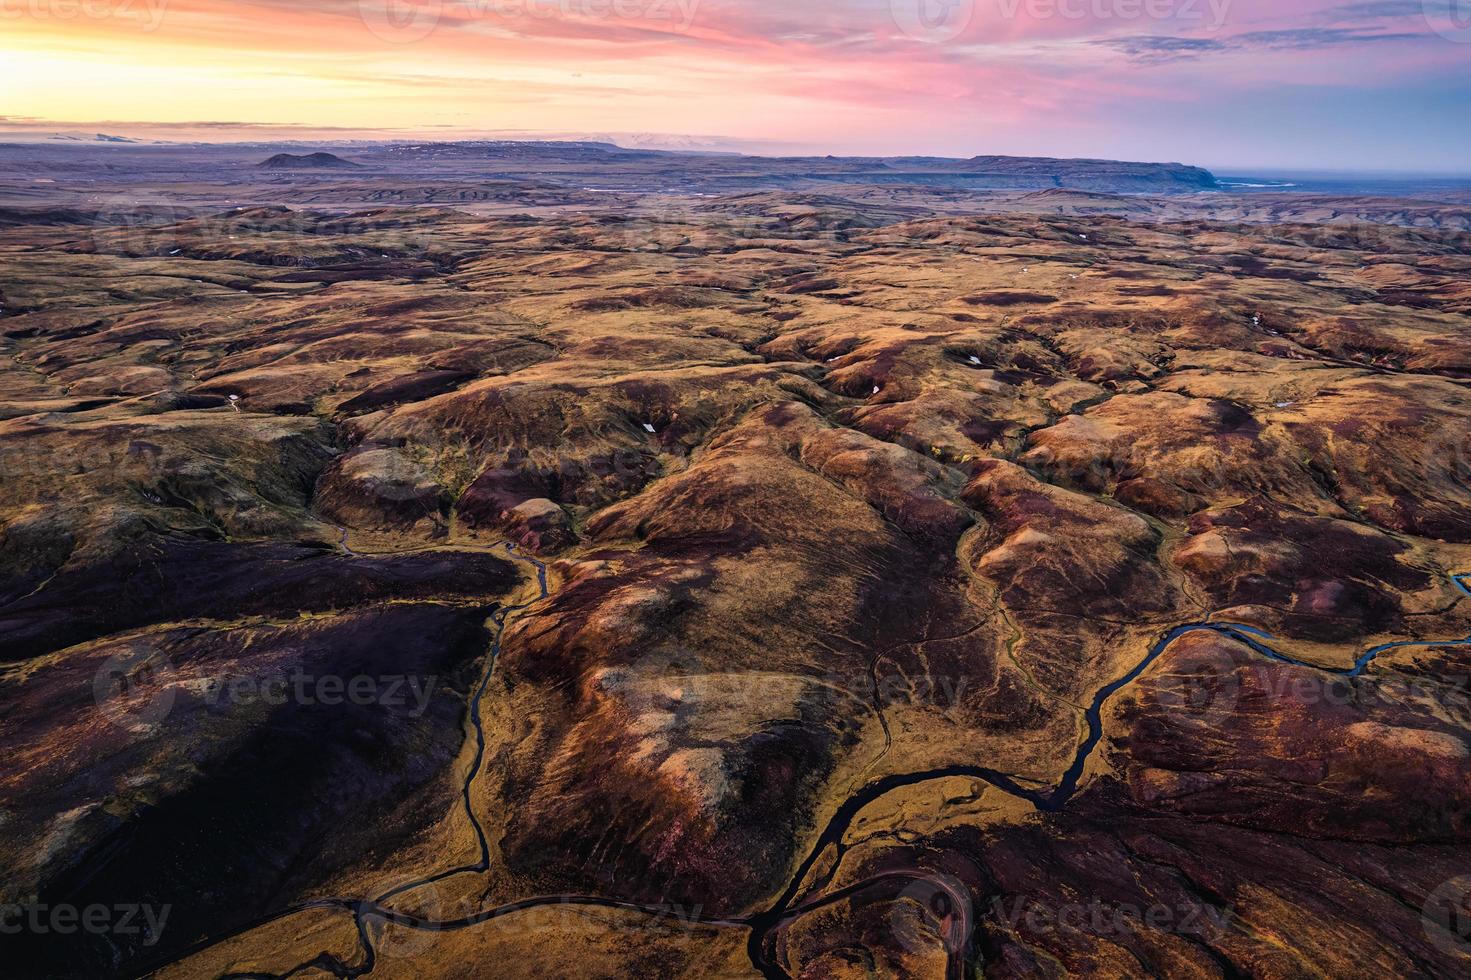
[643,169]
[96,138]
[618,166]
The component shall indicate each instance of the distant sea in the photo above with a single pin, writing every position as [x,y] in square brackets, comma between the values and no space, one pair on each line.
[1358,185]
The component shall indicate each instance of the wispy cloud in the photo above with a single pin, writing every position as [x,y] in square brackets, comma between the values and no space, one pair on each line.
[1156,49]
[1387,10]
[1301,38]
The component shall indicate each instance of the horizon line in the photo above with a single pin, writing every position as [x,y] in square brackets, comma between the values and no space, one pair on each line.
[38,135]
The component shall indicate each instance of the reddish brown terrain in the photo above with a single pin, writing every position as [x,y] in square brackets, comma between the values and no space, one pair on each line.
[776,584]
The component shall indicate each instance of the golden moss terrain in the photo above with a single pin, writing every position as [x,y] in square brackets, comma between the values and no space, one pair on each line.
[773,584]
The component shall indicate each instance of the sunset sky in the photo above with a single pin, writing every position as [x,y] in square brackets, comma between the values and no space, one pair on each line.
[1383,84]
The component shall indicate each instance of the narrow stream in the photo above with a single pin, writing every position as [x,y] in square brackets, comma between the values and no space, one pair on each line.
[759,946]
[763,926]
[373,908]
